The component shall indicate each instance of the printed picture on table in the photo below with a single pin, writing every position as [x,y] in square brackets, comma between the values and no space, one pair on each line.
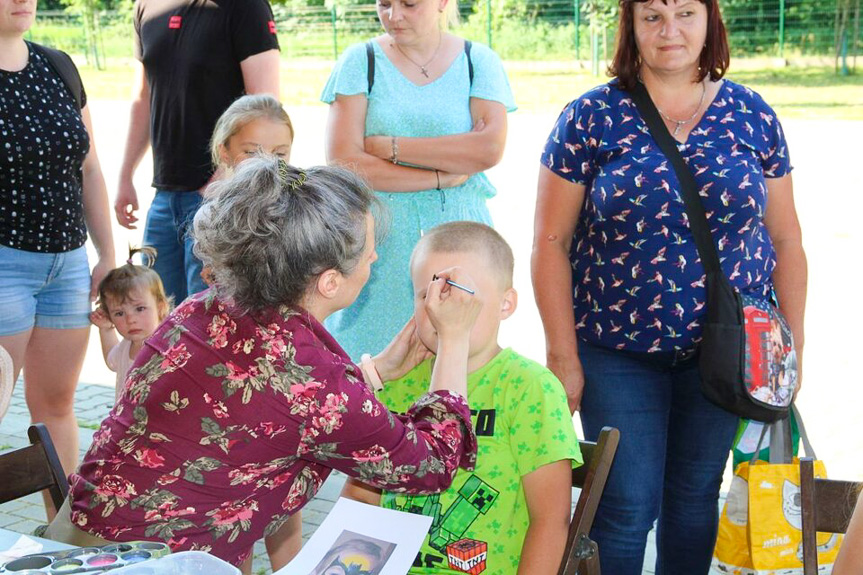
[355,554]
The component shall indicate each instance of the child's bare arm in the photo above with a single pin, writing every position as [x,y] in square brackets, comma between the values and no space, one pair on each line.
[286,542]
[548,491]
[107,335]
[361,492]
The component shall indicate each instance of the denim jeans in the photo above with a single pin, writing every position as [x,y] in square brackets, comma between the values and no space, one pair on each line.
[169,221]
[674,445]
[48,290]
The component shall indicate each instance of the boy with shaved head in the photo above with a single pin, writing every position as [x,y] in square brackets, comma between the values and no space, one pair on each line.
[510,515]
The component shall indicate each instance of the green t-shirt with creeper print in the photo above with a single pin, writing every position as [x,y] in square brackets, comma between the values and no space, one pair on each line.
[522,422]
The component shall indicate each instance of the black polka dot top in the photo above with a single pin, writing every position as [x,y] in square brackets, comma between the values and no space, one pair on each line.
[43,143]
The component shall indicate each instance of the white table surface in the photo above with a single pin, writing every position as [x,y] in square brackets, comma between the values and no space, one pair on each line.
[8,539]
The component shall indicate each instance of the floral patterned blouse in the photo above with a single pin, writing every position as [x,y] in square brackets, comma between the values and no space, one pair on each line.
[230,423]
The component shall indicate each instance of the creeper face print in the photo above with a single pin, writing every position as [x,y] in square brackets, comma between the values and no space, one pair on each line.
[475,497]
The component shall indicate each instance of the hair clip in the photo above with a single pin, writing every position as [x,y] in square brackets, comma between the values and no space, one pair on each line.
[299,181]
[284,172]
[285,176]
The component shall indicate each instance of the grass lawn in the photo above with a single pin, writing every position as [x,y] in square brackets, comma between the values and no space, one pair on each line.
[815,92]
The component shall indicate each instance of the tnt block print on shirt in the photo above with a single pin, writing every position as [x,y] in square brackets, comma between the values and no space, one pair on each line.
[475,498]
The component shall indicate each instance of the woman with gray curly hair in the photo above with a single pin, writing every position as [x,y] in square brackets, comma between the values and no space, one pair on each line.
[241,403]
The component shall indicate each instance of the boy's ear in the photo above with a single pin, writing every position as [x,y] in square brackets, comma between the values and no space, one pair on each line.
[328,283]
[508,303]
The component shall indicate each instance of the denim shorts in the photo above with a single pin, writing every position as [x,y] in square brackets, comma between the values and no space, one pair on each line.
[50,291]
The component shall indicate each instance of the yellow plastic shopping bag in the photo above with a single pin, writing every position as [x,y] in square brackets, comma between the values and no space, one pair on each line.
[760,526]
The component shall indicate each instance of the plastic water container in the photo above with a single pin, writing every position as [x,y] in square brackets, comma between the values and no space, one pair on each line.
[182,563]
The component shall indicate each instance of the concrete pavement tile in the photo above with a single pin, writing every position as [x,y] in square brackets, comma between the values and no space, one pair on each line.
[31,511]
[25,526]
[10,442]
[319,505]
[7,520]
[14,420]
[13,506]
[313,517]
[34,498]
[332,487]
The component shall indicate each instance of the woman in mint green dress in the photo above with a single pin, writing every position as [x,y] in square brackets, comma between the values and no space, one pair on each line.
[421,129]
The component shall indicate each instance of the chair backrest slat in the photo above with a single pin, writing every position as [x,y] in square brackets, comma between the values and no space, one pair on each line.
[834,504]
[32,469]
[826,507]
[590,478]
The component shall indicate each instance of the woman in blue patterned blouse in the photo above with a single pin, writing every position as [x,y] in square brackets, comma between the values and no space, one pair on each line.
[421,130]
[619,283]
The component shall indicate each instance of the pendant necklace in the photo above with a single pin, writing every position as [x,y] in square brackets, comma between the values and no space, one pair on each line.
[423,67]
[680,123]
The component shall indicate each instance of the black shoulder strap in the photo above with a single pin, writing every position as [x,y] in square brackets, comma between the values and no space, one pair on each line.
[689,188]
[65,68]
[467,45]
[370,56]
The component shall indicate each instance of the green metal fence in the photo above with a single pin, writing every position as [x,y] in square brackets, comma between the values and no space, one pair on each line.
[516,29]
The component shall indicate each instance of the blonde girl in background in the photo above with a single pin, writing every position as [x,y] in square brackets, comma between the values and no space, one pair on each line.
[132,301]
[251,126]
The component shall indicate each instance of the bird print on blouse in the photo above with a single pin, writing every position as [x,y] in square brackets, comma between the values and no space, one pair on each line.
[638,282]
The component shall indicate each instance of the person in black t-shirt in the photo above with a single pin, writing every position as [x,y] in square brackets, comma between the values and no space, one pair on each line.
[52,194]
[196,57]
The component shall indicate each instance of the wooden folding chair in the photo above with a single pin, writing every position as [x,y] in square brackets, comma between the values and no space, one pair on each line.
[826,505]
[33,468]
[581,554]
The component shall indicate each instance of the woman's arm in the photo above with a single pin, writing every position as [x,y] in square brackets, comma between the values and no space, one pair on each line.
[404,352]
[548,492]
[467,153]
[850,558]
[261,73]
[344,145]
[97,213]
[558,205]
[790,274]
[137,142]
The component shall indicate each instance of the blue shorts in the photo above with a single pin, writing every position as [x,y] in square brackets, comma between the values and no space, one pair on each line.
[51,291]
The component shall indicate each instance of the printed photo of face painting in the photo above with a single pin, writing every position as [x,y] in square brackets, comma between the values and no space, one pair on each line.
[355,554]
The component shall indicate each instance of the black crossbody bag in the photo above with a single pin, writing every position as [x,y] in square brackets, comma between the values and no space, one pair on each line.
[747,360]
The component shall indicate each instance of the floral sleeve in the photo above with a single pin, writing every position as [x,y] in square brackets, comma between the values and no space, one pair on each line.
[348,429]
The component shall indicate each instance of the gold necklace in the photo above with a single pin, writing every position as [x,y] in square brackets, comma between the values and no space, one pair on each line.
[680,123]
[423,67]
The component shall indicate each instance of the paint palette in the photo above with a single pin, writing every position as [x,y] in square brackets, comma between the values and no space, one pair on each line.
[86,559]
